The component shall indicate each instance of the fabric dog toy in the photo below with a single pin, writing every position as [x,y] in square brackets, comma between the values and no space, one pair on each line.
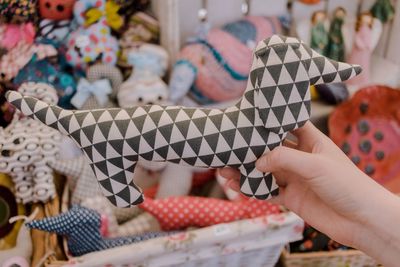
[176,213]
[27,147]
[82,226]
[99,89]
[276,101]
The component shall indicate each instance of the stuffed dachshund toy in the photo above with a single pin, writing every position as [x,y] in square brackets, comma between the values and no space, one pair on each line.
[27,147]
[83,234]
[275,102]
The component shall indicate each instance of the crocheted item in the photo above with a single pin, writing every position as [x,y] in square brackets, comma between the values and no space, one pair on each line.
[276,101]
[26,149]
[81,227]
[56,9]
[176,213]
[216,68]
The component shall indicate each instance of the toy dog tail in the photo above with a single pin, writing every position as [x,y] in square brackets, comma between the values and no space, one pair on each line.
[53,116]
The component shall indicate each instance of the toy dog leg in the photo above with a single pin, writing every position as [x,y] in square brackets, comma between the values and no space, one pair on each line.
[252,180]
[117,185]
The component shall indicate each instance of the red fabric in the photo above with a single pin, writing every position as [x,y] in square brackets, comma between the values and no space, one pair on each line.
[176,213]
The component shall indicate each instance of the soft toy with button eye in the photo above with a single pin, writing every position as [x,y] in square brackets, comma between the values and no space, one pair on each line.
[26,147]
[56,9]
[145,85]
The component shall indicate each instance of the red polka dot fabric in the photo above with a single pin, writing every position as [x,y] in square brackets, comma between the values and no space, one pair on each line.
[176,213]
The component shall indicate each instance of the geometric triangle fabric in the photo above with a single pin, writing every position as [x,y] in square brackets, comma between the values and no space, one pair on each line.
[276,101]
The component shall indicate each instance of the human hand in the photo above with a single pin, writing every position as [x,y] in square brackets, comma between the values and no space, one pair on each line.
[319,183]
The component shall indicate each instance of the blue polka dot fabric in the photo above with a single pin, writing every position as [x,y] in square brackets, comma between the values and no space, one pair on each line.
[81,226]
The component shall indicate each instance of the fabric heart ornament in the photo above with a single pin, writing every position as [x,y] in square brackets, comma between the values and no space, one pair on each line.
[176,213]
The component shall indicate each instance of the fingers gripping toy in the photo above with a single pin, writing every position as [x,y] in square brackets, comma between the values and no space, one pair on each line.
[276,101]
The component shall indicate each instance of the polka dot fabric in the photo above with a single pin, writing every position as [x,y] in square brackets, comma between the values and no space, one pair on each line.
[175,213]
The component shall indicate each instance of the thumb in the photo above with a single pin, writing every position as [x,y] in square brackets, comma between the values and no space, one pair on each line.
[283,159]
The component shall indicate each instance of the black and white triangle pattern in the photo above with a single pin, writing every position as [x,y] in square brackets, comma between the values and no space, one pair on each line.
[276,101]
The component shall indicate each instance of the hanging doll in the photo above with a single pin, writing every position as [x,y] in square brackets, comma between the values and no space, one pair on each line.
[362,48]
[319,33]
[336,46]
[383,10]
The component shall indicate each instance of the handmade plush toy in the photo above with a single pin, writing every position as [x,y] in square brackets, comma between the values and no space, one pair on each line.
[92,44]
[100,88]
[55,30]
[276,101]
[176,213]
[141,223]
[44,72]
[12,34]
[145,85]
[27,147]
[215,68]
[12,62]
[83,231]
[56,9]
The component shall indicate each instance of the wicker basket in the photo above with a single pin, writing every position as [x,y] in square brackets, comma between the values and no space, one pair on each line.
[253,242]
[348,258]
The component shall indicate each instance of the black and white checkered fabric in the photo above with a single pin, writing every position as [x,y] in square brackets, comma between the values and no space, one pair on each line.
[276,101]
